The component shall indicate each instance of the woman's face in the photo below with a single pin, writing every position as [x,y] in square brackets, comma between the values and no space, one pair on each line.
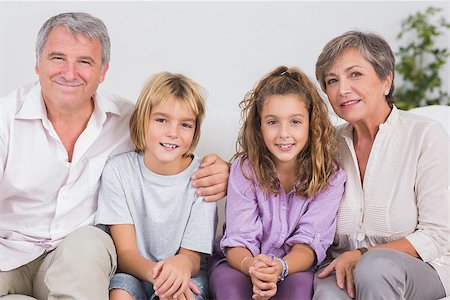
[354,89]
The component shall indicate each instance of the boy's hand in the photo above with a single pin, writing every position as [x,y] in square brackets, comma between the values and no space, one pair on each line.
[172,276]
[212,178]
[188,294]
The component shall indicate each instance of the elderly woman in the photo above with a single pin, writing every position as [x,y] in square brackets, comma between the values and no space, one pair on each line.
[392,239]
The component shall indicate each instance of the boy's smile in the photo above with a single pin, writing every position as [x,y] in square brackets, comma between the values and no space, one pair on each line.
[169,135]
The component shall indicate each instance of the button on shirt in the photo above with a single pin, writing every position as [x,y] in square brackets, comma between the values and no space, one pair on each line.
[43,197]
[273,224]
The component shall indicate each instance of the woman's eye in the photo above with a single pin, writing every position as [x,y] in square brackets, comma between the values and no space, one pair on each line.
[356,74]
[331,81]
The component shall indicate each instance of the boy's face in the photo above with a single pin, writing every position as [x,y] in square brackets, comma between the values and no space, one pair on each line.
[169,135]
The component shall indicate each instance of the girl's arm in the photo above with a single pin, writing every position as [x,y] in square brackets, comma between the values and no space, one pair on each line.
[240,259]
[317,226]
[301,258]
[129,259]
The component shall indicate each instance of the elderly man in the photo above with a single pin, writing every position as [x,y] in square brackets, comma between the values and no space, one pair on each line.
[55,137]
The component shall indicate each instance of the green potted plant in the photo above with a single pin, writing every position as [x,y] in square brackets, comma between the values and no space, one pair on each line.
[420,60]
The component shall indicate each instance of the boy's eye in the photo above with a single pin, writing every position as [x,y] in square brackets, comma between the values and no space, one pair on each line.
[187,125]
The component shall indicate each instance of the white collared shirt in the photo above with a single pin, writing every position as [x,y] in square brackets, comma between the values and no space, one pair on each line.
[405,191]
[43,197]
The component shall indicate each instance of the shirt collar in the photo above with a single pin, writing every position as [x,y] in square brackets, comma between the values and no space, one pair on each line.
[33,106]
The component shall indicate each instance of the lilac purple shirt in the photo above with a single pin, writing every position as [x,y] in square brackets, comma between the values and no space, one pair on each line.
[272,224]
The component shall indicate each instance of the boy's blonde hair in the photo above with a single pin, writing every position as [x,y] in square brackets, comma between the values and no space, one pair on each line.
[316,163]
[161,88]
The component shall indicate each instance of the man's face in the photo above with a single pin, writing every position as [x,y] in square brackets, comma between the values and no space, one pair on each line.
[70,70]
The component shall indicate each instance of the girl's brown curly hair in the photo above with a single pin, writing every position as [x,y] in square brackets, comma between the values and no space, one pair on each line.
[316,163]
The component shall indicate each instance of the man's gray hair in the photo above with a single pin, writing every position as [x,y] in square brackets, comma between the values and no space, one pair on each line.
[77,23]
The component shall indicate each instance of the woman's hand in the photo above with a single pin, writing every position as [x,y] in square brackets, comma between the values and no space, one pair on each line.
[343,266]
[212,178]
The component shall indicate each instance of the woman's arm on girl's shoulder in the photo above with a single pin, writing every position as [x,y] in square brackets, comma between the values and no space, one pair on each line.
[317,226]
[129,259]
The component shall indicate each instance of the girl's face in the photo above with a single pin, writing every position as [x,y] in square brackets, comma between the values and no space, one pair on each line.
[169,135]
[354,89]
[285,127]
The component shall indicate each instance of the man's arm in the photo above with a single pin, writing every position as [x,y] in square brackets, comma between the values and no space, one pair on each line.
[212,178]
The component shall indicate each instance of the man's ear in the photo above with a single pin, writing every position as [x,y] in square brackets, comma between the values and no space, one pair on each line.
[105,69]
[36,66]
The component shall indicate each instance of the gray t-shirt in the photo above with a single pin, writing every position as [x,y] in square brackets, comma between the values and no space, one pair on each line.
[165,211]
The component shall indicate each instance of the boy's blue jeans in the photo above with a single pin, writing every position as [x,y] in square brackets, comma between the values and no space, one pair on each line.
[144,290]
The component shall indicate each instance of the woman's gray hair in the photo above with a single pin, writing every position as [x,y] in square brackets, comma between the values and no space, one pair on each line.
[77,23]
[371,46]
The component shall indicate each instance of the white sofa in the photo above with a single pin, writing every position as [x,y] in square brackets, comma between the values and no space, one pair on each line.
[219,134]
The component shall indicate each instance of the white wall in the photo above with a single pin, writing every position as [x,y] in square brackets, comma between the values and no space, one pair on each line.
[224,46]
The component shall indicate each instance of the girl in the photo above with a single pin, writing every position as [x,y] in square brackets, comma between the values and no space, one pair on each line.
[159,226]
[283,193]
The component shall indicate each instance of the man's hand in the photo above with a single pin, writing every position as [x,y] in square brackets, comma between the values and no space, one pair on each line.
[212,178]
[343,265]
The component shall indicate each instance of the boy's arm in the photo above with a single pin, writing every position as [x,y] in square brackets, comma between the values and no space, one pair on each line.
[129,259]
[173,274]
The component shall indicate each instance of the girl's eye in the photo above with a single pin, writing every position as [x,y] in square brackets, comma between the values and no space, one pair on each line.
[272,122]
[296,122]
[161,120]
